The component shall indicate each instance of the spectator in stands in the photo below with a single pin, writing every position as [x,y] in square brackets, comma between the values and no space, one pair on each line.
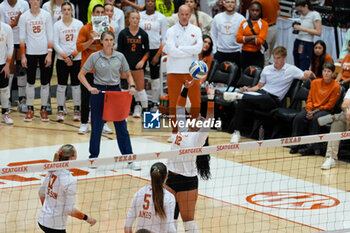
[341,122]
[319,57]
[310,26]
[252,34]
[166,7]
[344,73]
[344,51]
[198,18]
[183,44]
[223,32]
[271,11]
[87,44]
[274,84]
[206,53]
[322,98]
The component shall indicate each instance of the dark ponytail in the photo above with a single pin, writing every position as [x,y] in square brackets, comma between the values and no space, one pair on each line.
[203,164]
[158,175]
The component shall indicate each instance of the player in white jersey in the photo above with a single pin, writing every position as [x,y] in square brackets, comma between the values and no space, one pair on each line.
[6,51]
[156,26]
[36,46]
[10,12]
[109,11]
[54,8]
[66,32]
[118,17]
[153,206]
[57,195]
[182,177]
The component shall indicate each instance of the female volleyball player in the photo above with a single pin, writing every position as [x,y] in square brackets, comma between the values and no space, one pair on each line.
[133,43]
[57,195]
[156,26]
[182,177]
[36,47]
[153,206]
[68,59]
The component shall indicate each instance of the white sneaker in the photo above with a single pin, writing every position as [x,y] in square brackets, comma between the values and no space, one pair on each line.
[60,116]
[133,166]
[76,116]
[324,120]
[106,129]
[231,96]
[6,119]
[22,107]
[137,111]
[328,164]
[171,138]
[84,128]
[236,136]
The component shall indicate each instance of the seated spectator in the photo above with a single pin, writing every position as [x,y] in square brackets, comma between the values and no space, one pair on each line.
[206,54]
[344,51]
[344,73]
[274,84]
[252,34]
[198,18]
[323,96]
[319,57]
[340,123]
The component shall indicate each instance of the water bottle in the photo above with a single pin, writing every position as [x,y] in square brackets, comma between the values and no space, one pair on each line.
[261,133]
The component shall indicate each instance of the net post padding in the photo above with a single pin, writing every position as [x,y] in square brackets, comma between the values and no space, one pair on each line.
[223,148]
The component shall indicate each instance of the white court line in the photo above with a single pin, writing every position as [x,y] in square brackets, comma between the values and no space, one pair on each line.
[231,183]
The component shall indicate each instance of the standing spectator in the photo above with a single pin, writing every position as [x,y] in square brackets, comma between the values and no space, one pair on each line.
[133,42]
[270,13]
[183,44]
[310,26]
[87,44]
[109,11]
[10,12]
[57,195]
[224,31]
[36,40]
[341,122]
[166,7]
[6,51]
[118,18]
[107,65]
[206,53]
[198,18]
[344,73]
[273,85]
[322,98]
[252,33]
[155,24]
[344,50]
[319,57]
[66,32]
[159,202]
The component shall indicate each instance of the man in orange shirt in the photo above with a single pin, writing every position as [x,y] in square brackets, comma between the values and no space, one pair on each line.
[86,44]
[271,10]
[323,95]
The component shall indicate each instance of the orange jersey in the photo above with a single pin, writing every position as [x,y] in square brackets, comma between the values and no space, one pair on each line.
[322,96]
[346,67]
[260,28]
[84,35]
[270,9]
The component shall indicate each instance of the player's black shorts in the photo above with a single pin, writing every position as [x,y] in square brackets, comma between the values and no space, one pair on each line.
[180,183]
[132,61]
[49,230]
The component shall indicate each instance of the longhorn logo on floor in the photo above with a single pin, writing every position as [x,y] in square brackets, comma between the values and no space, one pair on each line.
[151,120]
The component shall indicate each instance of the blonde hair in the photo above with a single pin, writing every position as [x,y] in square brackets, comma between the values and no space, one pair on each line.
[280,50]
[64,153]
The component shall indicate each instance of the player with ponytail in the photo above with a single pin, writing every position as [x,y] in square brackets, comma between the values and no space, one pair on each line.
[153,205]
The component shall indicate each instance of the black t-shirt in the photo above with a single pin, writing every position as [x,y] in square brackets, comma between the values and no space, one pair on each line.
[133,47]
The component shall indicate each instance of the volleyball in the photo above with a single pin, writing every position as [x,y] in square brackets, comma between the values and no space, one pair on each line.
[198,69]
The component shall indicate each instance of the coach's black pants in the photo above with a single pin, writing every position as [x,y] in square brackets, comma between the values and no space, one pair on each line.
[85,99]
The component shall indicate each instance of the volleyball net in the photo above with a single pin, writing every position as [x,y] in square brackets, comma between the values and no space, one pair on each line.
[255,186]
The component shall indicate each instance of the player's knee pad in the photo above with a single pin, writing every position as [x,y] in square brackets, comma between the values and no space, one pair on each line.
[191,226]
[5,93]
[142,95]
[20,70]
[76,93]
[22,81]
[155,83]
[61,89]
